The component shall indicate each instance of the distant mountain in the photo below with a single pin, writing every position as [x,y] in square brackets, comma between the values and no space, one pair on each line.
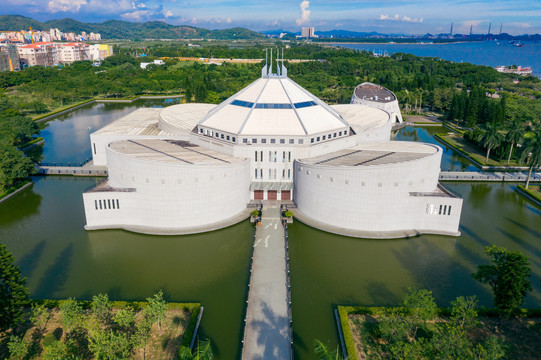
[344,34]
[117,29]
[18,22]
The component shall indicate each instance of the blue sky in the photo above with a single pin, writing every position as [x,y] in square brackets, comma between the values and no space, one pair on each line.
[387,16]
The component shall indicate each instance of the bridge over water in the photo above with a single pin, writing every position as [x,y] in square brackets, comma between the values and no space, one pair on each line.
[267,333]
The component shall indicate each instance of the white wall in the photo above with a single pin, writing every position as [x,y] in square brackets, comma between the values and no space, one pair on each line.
[376,198]
[169,196]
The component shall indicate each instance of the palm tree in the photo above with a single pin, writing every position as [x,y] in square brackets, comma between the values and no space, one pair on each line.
[491,137]
[203,351]
[324,353]
[515,133]
[531,153]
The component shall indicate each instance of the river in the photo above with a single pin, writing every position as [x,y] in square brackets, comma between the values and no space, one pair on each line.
[489,53]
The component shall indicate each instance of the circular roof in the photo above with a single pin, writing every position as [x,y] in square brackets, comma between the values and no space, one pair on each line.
[274,105]
[181,119]
[362,118]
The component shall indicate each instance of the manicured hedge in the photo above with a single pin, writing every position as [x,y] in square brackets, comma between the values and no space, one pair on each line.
[13,188]
[188,334]
[343,312]
[64,109]
[533,194]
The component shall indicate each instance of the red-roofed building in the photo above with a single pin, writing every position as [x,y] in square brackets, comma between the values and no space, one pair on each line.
[74,51]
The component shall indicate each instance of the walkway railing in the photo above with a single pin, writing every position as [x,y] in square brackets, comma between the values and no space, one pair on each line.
[250,279]
[288,281]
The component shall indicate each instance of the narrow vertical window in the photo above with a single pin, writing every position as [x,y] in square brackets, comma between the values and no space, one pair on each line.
[444,209]
[289,156]
[449,212]
[108,203]
[270,156]
[270,173]
[275,156]
[283,173]
[256,156]
[274,174]
[96,204]
[113,203]
[289,173]
[94,148]
[261,173]
[100,205]
[256,173]
[117,204]
[439,213]
[261,155]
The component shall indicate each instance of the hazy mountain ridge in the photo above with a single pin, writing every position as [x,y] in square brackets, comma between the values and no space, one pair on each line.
[118,29]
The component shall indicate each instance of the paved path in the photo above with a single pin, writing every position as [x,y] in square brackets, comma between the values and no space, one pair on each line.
[267,333]
[89,169]
[489,176]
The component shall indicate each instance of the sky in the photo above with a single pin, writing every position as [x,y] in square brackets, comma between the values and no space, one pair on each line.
[385,16]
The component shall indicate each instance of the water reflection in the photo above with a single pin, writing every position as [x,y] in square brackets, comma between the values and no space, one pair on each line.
[62,260]
[327,269]
[67,137]
[450,160]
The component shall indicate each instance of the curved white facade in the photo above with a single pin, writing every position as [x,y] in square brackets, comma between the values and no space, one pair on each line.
[393,198]
[155,196]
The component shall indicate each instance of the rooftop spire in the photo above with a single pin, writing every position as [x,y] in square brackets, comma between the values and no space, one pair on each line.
[281,70]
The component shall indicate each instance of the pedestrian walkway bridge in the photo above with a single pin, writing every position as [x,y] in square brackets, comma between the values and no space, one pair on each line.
[267,332]
[488,176]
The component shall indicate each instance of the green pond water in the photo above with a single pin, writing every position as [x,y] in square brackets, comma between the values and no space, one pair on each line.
[67,137]
[43,227]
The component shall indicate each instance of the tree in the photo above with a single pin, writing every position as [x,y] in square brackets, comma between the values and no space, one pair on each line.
[491,138]
[18,347]
[515,133]
[420,307]
[101,307]
[13,291]
[13,165]
[324,353]
[531,153]
[203,351]
[39,316]
[72,314]
[463,312]
[156,308]
[509,277]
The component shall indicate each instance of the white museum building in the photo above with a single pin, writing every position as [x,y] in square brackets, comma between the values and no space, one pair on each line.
[192,168]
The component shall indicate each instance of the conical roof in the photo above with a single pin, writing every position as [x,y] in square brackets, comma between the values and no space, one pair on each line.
[274,105]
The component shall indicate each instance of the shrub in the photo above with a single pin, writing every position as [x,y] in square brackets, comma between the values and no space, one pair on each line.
[288,214]
[255,213]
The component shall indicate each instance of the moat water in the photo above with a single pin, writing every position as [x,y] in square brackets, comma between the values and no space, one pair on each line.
[43,227]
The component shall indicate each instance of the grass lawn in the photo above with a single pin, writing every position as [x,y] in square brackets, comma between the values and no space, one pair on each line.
[522,336]
[13,188]
[472,151]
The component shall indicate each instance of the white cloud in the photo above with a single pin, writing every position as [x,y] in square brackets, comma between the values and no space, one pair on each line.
[305,13]
[65,5]
[167,13]
[397,18]
[228,20]
[137,15]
